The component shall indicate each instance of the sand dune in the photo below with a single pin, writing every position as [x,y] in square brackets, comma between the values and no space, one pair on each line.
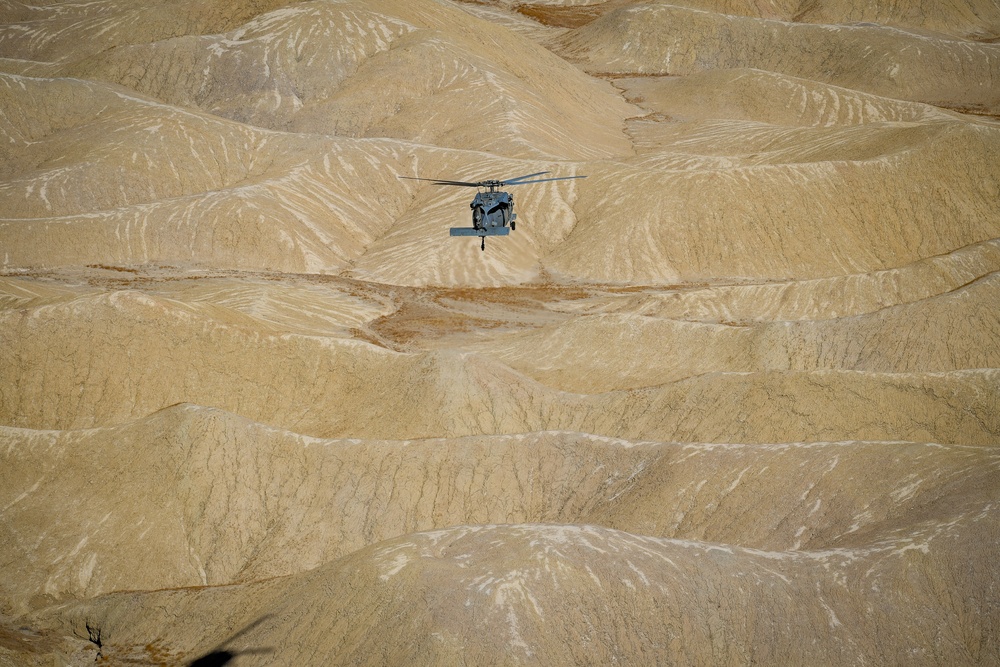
[788,209]
[954,331]
[291,203]
[322,64]
[769,97]
[53,32]
[732,398]
[966,19]
[659,38]
[517,382]
[576,573]
[193,486]
[818,299]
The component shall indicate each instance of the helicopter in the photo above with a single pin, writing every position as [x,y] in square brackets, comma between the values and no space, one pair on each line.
[492,208]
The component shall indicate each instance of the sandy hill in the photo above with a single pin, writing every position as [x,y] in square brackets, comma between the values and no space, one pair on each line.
[732,398]
[590,527]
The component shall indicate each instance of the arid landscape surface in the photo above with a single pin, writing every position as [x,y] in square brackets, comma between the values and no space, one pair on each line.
[733,398]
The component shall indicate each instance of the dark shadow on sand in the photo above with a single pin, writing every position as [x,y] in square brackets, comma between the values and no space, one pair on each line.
[221,656]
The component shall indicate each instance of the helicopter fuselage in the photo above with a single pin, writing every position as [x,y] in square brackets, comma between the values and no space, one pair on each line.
[492,210]
[492,215]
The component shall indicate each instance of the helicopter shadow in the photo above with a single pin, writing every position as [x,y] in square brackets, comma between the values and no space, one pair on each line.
[221,656]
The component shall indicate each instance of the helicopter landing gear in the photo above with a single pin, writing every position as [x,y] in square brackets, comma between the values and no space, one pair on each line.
[512,227]
[483,247]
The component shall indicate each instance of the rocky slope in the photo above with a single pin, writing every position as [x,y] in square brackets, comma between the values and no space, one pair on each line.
[732,398]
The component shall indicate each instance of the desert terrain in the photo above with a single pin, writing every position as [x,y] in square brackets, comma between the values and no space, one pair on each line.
[733,398]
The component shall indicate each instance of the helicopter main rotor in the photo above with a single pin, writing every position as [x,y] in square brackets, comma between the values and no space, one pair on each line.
[492,184]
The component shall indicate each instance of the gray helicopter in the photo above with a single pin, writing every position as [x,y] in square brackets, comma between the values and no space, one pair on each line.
[492,209]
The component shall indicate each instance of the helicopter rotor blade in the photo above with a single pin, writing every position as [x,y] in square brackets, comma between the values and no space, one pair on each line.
[507,181]
[514,181]
[462,183]
[438,181]
[545,180]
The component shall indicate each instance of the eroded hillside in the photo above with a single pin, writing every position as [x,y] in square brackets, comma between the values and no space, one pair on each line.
[734,397]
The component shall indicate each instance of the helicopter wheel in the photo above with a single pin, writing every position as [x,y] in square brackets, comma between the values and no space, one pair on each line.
[484,244]
[512,223]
